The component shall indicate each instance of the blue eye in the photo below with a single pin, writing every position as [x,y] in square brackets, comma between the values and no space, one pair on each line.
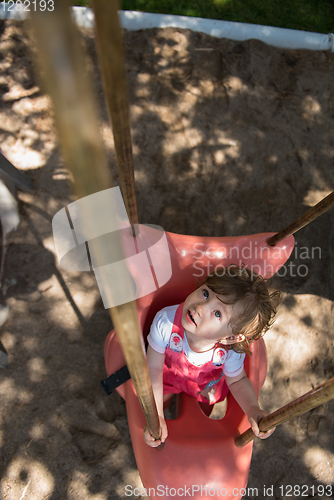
[205,293]
[217,314]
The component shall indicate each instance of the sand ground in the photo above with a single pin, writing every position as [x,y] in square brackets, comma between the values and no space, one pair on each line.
[228,139]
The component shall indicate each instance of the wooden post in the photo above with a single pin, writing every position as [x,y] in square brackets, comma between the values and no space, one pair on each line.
[314,212]
[62,65]
[310,400]
[110,45]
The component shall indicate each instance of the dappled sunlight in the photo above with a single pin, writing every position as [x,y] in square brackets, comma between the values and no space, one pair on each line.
[273,159]
[318,181]
[17,394]
[143,92]
[194,137]
[9,339]
[73,383]
[131,478]
[228,139]
[29,343]
[36,369]
[290,324]
[207,88]
[24,157]
[195,91]
[135,112]
[108,138]
[17,91]
[32,140]
[77,490]
[219,157]
[180,42]
[221,138]
[314,196]
[296,345]
[25,106]
[140,177]
[144,78]
[68,319]
[322,464]
[236,86]
[49,244]
[311,108]
[38,431]
[232,116]
[61,174]
[33,476]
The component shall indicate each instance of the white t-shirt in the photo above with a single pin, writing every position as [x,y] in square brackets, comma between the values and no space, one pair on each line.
[159,336]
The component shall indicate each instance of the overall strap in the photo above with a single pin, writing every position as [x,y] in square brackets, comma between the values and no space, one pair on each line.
[177,325]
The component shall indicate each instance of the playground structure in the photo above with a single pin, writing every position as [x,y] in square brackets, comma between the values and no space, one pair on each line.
[196,444]
[118,326]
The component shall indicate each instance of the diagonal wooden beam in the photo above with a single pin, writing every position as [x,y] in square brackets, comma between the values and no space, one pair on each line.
[310,400]
[62,66]
[111,54]
[309,216]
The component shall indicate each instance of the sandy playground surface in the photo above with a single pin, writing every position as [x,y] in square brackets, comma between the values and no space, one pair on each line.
[229,139]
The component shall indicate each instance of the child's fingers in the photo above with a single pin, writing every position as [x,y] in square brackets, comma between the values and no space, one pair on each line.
[149,439]
[154,443]
[254,420]
[261,434]
[255,428]
[265,435]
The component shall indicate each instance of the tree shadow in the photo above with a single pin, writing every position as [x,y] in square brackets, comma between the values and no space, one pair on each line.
[228,138]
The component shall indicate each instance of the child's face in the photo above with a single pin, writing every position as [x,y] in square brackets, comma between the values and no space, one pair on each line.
[206,319]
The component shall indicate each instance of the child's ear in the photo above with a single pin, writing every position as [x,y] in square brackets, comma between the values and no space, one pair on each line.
[240,337]
[233,339]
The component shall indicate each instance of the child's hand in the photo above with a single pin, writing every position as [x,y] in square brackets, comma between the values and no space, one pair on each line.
[253,417]
[150,439]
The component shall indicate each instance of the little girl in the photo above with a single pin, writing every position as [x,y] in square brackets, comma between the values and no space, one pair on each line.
[199,346]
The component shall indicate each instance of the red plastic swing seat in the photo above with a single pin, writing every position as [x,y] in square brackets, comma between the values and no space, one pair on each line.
[199,458]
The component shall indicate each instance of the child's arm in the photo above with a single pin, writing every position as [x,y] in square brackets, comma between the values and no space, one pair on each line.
[243,392]
[155,362]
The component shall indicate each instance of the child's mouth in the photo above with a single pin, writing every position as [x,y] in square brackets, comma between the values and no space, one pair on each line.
[191,318]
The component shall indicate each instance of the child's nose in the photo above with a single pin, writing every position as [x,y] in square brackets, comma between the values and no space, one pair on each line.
[200,308]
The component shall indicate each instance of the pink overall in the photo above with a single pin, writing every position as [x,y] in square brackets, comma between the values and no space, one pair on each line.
[180,375]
